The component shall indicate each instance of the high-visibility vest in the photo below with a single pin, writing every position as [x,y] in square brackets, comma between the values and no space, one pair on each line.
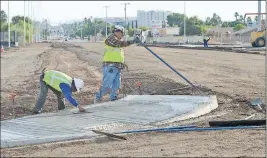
[113,54]
[54,78]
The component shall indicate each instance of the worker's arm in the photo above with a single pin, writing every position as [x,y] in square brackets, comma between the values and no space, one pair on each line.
[66,90]
[113,41]
[208,40]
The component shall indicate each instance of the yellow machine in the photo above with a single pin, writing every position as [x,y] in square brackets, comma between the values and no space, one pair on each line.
[257,38]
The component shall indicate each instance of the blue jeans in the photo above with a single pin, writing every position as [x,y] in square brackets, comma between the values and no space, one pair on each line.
[111,79]
[206,45]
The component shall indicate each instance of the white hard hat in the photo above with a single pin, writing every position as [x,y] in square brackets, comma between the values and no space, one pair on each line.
[79,84]
[119,27]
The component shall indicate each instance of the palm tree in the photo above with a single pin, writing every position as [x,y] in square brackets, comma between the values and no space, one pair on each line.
[256,18]
[236,15]
[249,20]
[241,18]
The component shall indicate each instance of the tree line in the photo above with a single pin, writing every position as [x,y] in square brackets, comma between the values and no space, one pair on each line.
[17,24]
[196,26]
[87,27]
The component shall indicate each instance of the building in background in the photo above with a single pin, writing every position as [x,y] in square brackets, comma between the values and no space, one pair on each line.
[121,21]
[146,18]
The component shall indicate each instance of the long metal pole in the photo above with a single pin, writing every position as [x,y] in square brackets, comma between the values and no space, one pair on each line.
[106,20]
[259,15]
[125,11]
[184,20]
[32,22]
[266,67]
[24,33]
[29,21]
[8,25]
[168,65]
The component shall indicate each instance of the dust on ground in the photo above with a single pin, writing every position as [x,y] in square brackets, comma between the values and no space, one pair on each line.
[234,78]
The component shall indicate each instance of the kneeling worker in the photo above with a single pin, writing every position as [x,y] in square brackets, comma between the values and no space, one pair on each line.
[59,83]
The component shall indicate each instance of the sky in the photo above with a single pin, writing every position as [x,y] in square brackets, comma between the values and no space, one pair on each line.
[63,11]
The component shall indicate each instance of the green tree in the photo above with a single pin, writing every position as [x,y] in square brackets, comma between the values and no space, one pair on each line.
[256,18]
[236,16]
[17,18]
[249,20]
[3,17]
[130,32]
[175,19]
[241,18]
[144,28]
[238,27]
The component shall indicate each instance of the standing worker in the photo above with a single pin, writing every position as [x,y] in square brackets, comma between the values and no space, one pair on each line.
[206,42]
[59,83]
[113,63]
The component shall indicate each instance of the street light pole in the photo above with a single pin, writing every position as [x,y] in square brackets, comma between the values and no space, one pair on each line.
[106,20]
[8,25]
[184,20]
[24,40]
[125,9]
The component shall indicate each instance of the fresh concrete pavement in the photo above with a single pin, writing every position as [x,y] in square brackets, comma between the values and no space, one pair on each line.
[134,109]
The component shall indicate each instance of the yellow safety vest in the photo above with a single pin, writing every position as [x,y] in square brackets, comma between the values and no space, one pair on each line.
[113,54]
[54,78]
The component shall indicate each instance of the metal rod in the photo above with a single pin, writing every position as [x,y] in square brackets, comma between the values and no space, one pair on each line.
[157,129]
[32,22]
[214,128]
[29,21]
[24,33]
[184,20]
[259,15]
[8,25]
[168,65]
[191,128]
[266,65]
[106,20]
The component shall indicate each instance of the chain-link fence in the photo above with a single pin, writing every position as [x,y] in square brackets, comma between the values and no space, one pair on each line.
[14,39]
[216,39]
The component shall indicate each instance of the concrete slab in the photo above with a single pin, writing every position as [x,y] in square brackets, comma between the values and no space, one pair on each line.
[133,109]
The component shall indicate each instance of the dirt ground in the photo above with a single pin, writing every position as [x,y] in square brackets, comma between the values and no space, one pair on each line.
[235,79]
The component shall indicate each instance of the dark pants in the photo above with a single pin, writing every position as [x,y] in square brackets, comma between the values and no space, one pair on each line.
[206,44]
[43,94]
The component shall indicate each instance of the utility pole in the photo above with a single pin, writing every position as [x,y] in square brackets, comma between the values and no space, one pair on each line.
[184,21]
[125,9]
[24,40]
[8,25]
[106,20]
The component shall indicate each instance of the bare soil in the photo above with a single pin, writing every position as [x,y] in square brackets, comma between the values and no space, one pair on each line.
[235,79]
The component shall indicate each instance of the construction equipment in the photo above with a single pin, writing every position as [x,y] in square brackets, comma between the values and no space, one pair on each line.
[139,33]
[257,38]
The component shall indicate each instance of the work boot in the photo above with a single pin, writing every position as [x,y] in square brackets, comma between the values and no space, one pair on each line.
[36,111]
[115,98]
[97,101]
